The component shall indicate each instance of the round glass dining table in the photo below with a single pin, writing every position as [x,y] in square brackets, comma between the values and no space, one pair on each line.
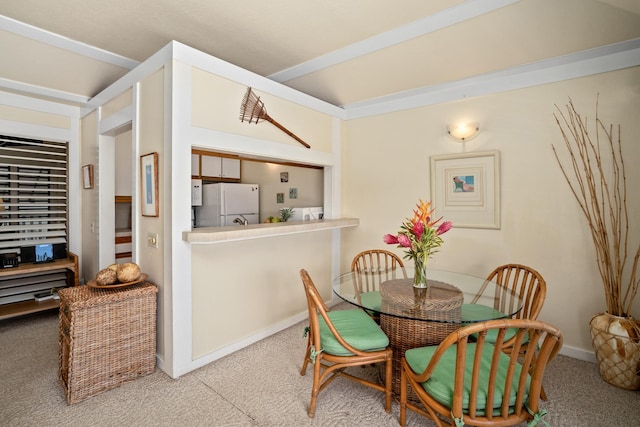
[450,297]
[417,317]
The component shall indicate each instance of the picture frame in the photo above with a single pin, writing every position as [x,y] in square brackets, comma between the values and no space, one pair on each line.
[149,184]
[87,177]
[465,188]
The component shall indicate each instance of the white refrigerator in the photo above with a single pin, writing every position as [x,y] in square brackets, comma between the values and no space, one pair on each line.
[228,204]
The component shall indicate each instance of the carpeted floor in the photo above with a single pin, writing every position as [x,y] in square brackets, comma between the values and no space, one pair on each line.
[257,386]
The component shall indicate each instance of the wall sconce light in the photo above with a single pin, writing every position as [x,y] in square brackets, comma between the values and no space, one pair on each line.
[464,132]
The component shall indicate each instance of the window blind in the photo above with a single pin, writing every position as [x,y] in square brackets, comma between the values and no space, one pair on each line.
[33,193]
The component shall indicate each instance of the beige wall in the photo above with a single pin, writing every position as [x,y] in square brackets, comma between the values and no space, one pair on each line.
[124,170]
[117,104]
[541,223]
[307,181]
[89,155]
[38,118]
[151,139]
[216,105]
[242,288]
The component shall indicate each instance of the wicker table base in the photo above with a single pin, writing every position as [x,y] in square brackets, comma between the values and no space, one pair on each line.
[417,317]
[107,337]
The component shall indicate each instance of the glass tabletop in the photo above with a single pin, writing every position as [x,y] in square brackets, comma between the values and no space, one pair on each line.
[450,297]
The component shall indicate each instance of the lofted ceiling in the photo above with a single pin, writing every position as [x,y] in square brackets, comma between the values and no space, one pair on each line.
[348,53]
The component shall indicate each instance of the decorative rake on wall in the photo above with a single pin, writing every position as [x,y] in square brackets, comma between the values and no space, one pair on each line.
[252,110]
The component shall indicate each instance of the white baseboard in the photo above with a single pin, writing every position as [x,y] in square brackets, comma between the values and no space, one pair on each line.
[225,351]
[578,353]
[238,345]
[573,352]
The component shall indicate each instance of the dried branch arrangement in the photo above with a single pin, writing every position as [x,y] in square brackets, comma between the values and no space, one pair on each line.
[596,175]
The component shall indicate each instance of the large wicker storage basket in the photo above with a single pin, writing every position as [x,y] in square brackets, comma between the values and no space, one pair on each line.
[107,337]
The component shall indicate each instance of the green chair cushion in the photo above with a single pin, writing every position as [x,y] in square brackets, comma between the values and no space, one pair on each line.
[440,385]
[493,334]
[372,300]
[472,313]
[356,328]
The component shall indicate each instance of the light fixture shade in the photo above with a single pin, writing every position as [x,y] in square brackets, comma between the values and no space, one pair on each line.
[464,132]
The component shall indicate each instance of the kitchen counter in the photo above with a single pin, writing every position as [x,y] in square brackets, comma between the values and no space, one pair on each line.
[210,235]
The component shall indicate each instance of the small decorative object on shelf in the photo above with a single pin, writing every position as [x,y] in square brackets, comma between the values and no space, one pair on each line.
[46,295]
[253,111]
[118,276]
[286,213]
[421,238]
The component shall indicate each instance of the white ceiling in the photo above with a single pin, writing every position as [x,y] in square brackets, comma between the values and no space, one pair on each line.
[348,53]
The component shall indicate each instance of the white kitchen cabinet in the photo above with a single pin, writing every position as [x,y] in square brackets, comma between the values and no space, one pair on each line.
[213,167]
[195,164]
[230,168]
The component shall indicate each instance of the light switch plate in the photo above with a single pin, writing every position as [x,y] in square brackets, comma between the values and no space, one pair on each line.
[152,240]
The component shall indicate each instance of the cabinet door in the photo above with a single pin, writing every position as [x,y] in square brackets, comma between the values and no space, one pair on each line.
[211,166]
[230,168]
[195,164]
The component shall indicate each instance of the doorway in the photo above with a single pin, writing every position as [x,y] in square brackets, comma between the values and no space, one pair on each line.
[116,184]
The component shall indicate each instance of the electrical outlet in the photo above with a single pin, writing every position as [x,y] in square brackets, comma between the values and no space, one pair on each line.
[152,240]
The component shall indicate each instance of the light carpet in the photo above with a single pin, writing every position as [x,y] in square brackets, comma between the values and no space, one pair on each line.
[256,386]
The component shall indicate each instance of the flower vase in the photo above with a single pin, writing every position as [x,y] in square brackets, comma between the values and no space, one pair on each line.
[420,276]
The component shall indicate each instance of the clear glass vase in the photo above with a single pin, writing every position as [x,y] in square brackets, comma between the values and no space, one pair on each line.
[420,276]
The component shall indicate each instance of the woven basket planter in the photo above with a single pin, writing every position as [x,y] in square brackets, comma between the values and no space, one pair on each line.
[617,347]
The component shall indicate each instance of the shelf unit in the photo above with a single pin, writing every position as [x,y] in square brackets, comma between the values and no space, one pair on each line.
[123,240]
[68,266]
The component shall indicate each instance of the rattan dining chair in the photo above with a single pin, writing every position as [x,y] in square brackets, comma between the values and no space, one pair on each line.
[518,282]
[474,382]
[340,339]
[371,268]
[525,282]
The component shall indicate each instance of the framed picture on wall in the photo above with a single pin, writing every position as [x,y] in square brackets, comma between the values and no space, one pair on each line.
[465,188]
[149,184]
[87,176]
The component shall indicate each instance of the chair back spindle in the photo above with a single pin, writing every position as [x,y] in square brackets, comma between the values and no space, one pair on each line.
[376,266]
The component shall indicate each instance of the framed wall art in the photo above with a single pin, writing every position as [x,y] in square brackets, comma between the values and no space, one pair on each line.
[465,188]
[87,176]
[149,184]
